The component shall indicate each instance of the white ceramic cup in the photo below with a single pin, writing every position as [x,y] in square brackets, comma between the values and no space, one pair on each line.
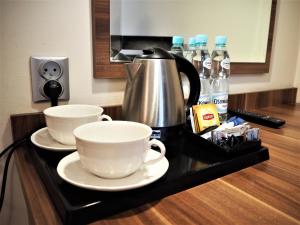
[115,149]
[62,120]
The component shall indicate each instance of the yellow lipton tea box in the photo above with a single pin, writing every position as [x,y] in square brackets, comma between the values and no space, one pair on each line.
[205,116]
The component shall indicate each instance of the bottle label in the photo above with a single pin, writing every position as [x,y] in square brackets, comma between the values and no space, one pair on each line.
[207,63]
[225,63]
[203,99]
[221,101]
[189,55]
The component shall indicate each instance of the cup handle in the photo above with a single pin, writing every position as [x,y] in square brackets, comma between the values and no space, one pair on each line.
[103,116]
[162,149]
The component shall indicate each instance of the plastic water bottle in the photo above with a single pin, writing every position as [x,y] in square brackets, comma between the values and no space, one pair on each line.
[219,76]
[190,52]
[202,63]
[177,45]
[177,48]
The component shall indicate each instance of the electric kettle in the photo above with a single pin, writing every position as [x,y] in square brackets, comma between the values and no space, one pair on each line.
[153,93]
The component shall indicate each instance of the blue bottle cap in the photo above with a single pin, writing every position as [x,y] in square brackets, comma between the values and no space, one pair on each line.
[201,39]
[177,40]
[221,40]
[192,41]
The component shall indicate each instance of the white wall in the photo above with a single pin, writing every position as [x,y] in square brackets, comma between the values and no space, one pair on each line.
[31,28]
[14,209]
[211,17]
[63,28]
[1,73]
[284,53]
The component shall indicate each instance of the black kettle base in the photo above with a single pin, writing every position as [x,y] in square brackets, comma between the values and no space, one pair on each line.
[166,133]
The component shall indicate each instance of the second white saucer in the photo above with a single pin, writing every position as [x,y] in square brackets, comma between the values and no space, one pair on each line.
[71,170]
[43,139]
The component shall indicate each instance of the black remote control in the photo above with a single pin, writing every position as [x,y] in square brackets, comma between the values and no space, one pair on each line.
[258,118]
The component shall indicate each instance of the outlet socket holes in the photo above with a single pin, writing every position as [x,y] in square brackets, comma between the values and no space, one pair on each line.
[51,70]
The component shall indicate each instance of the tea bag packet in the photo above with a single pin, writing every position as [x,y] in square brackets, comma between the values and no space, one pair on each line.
[205,116]
[231,123]
[217,135]
[244,131]
[252,134]
[205,121]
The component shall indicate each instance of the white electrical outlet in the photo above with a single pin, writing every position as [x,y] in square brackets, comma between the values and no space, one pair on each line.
[45,70]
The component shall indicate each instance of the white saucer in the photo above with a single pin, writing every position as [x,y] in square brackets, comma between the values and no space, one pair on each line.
[71,170]
[42,139]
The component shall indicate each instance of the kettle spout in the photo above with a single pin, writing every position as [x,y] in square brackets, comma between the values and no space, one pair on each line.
[133,70]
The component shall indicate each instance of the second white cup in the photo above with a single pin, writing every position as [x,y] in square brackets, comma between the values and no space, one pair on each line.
[62,120]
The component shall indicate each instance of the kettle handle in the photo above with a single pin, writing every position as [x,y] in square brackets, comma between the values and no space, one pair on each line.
[186,67]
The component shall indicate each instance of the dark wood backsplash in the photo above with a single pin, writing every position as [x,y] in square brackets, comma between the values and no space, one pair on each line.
[256,100]
[23,124]
[249,101]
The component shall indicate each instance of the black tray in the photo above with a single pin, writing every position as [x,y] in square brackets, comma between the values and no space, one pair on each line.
[192,159]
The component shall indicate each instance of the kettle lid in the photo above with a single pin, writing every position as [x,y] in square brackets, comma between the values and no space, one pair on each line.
[155,53]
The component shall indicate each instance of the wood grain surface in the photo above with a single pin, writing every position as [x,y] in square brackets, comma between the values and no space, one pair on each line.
[267,193]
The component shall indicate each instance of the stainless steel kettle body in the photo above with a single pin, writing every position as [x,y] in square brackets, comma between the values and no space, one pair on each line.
[153,93]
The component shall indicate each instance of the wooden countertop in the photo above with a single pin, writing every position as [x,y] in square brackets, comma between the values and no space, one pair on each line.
[267,193]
